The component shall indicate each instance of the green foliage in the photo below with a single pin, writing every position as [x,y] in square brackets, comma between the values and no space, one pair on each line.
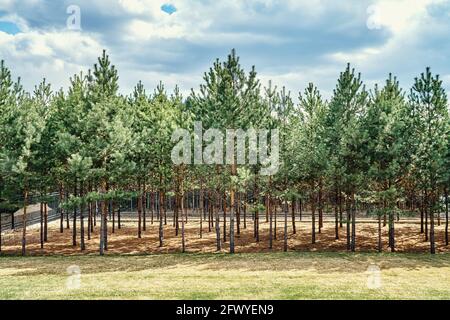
[430,105]
[378,147]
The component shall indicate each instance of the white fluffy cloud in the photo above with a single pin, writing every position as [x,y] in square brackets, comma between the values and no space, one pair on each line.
[292,42]
[52,55]
[415,32]
[400,16]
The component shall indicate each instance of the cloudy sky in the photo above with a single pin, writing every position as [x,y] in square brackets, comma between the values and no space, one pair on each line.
[292,42]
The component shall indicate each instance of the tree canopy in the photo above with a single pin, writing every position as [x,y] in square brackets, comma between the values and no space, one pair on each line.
[365,150]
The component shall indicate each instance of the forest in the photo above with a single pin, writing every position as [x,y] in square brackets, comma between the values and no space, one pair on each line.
[381,153]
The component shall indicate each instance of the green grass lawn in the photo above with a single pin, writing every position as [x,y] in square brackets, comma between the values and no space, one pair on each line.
[218,276]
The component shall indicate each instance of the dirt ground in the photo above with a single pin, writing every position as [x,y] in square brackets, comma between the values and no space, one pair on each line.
[125,240]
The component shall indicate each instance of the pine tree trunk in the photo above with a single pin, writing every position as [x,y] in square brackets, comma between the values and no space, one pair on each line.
[102,226]
[392,231]
[341,214]
[353,224]
[387,186]
[294,229]
[232,214]
[164,204]
[144,207]
[206,205]
[105,222]
[238,213]
[218,243]
[336,215]
[61,211]
[267,207]
[152,205]
[45,222]
[193,211]
[301,209]
[427,211]
[439,217]
[119,223]
[110,209]
[275,212]
[209,211]
[286,209]
[139,210]
[244,209]
[24,221]
[74,222]
[446,216]
[113,217]
[161,226]
[41,228]
[349,216]
[82,243]
[176,211]
[95,216]
[173,205]
[380,245]
[313,218]
[67,212]
[157,211]
[213,205]
[89,219]
[225,208]
[257,226]
[422,229]
[233,211]
[183,241]
[202,209]
[269,203]
[256,200]
[320,207]
[432,239]
[105,227]
[91,216]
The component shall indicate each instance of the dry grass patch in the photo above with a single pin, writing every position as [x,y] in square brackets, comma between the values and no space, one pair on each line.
[220,276]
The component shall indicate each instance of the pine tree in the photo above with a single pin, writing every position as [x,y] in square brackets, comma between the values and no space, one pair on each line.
[107,123]
[444,175]
[311,152]
[6,85]
[345,141]
[429,100]
[378,153]
[226,100]
[20,137]
[383,139]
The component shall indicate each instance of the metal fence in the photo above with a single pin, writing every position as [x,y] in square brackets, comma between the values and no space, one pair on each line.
[128,209]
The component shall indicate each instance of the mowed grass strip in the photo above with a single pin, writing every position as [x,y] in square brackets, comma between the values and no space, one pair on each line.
[219,276]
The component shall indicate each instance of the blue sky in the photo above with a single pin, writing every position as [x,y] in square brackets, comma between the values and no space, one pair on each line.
[9,27]
[292,42]
[169,8]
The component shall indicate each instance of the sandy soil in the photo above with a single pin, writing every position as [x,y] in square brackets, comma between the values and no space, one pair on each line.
[125,240]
